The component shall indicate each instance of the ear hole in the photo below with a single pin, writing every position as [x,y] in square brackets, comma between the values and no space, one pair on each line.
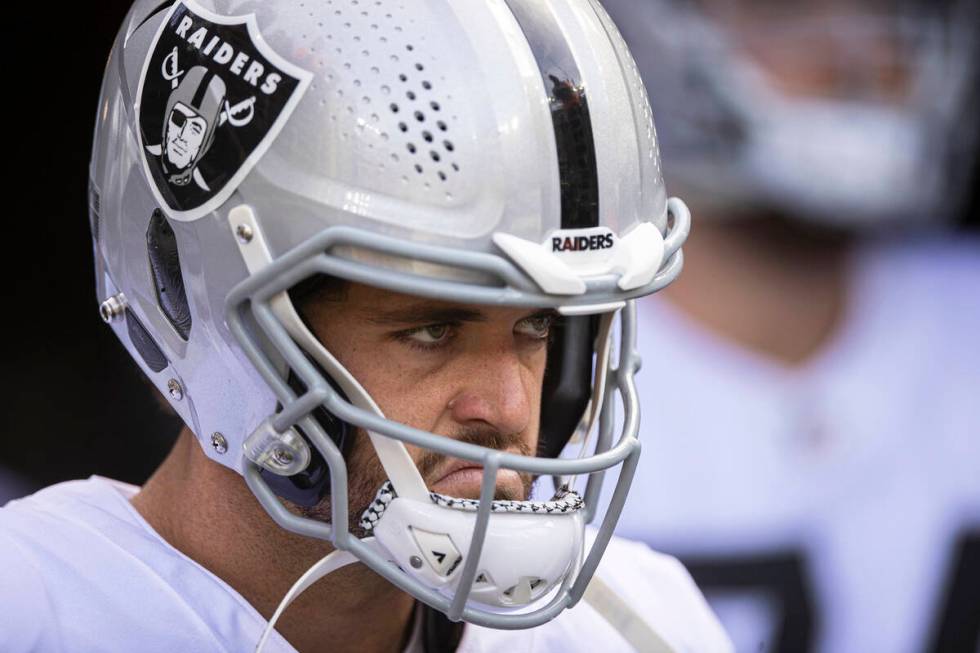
[168,281]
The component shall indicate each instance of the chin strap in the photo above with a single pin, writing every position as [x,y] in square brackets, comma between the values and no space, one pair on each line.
[330,563]
[624,619]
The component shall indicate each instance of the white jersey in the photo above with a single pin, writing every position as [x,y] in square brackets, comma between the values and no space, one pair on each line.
[81,570]
[848,488]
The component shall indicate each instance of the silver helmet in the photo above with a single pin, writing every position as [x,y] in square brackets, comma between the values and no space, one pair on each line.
[498,153]
[850,113]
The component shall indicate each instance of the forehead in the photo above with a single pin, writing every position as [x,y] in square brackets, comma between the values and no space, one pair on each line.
[382,307]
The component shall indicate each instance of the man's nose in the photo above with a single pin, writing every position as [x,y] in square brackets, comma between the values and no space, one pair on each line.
[496,391]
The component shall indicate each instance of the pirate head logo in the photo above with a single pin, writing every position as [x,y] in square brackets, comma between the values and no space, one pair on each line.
[213,96]
[193,111]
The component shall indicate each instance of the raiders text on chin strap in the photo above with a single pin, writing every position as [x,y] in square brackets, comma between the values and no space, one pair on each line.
[498,153]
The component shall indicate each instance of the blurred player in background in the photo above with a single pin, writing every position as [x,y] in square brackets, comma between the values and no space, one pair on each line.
[812,438]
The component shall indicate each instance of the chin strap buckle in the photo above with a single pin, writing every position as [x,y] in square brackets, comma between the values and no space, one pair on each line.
[284,454]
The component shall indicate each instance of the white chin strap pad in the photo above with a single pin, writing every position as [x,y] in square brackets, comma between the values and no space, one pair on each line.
[525,555]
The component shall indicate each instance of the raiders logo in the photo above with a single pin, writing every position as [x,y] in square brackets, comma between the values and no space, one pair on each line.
[212,98]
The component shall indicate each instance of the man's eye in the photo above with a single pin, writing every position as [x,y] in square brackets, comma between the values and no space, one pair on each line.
[536,326]
[430,335]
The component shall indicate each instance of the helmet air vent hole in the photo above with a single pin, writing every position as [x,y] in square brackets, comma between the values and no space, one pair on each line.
[483,578]
[375,43]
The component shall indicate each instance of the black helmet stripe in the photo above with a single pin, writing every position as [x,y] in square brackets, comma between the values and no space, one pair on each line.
[578,175]
[202,89]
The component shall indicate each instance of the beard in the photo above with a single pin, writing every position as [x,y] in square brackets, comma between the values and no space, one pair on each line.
[366,475]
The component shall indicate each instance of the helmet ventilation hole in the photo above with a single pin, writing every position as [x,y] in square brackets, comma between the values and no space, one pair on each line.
[379,59]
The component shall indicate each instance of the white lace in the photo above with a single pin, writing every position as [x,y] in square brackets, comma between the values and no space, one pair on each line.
[564,501]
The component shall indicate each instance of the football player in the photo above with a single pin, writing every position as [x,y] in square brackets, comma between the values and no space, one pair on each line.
[402,279]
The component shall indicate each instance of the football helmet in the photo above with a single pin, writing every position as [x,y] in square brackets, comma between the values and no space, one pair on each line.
[850,113]
[499,153]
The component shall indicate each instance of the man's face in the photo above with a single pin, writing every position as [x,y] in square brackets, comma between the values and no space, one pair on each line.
[467,372]
[185,135]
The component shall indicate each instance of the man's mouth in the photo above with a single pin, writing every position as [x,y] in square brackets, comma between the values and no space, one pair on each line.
[463,479]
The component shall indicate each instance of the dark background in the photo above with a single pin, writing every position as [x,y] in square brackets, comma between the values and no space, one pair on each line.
[76,404]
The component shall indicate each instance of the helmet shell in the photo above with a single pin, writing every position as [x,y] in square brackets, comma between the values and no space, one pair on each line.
[432,123]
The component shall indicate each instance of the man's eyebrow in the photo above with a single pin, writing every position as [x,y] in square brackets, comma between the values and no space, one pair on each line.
[426,314]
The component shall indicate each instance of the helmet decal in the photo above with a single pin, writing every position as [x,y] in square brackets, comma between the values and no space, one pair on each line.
[212,97]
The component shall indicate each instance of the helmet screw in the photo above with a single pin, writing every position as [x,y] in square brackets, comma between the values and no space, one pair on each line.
[244,233]
[112,308]
[176,391]
[219,443]
[416,562]
[282,457]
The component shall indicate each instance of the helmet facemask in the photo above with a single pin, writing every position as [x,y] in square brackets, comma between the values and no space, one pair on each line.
[480,581]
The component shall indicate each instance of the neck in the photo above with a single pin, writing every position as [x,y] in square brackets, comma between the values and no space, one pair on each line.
[206,511]
[768,285]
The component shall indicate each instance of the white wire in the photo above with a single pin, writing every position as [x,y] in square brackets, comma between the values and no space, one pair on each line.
[329,563]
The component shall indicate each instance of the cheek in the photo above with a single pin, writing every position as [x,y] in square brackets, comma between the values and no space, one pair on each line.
[534,362]
[404,395]
[535,371]
[404,391]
